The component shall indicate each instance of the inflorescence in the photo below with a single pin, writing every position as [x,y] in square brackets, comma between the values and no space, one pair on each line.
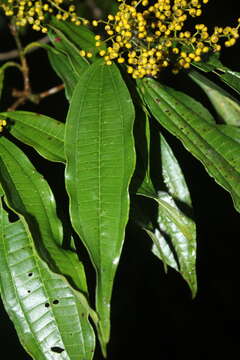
[149,37]
[3,123]
[146,35]
[35,12]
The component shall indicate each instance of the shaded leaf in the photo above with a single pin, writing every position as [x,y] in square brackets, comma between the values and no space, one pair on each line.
[100,162]
[43,133]
[219,153]
[227,107]
[173,235]
[47,313]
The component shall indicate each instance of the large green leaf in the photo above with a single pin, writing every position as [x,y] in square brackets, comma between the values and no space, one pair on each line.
[28,194]
[100,162]
[43,133]
[49,316]
[219,153]
[227,107]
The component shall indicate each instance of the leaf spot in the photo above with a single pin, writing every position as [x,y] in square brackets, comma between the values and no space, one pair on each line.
[55,302]
[30,274]
[47,305]
[57,349]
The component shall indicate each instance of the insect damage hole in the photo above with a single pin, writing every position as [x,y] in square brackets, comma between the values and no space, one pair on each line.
[57,349]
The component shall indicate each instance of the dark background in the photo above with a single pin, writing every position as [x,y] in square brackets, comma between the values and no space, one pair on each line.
[153,315]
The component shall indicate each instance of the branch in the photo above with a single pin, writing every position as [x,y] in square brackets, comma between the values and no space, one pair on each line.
[12,54]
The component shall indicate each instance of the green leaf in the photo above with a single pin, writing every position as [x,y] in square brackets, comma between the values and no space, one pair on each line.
[29,195]
[62,66]
[180,230]
[173,176]
[43,133]
[100,162]
[232,131]
[79,36]
[229,77]
[48,314]
[219,153]
[226,106]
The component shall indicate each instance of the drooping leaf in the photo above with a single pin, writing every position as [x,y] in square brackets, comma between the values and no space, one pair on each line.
[49,316]
[29,195]
[227,107]
[43,133]
[173,235]
[100,162]
[62,66]
[219,153]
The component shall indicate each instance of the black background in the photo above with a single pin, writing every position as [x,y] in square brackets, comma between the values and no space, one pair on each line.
[153,315]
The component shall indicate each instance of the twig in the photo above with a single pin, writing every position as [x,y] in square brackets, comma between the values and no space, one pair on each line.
[12,54]
[49,92]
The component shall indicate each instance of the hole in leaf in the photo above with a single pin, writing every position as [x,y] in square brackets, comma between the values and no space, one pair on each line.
[47,305]
[57,349]
[30,274]
[55,302]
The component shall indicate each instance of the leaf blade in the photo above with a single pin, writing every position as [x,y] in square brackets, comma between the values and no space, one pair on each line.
[218,153]
[98,172]
[37,299]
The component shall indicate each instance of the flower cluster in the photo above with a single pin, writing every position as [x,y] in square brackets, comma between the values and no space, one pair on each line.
[35,12]
[3,123]
[150,37]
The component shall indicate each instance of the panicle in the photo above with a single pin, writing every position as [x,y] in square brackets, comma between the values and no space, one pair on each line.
[151,35]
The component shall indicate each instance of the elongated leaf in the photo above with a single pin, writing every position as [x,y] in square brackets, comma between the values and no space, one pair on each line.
[43,133]
[231,131]
[62,66]
[219,153]
[229,77]
[50,319]
[79,36]
[100,162]
[28,194]
[62,43]
[180,252]
[173,175]
[227,107]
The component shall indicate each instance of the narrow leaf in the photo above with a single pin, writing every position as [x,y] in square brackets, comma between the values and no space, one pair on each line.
[219,153]
[43,133]
[29,195]
[49,316]
[226,106]
[100,162]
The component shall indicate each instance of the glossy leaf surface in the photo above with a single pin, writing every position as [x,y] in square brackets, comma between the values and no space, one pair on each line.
[225,105]
[100,162]
[50,319]
[43,133]
[173,235]
[28,194]
[219,153]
